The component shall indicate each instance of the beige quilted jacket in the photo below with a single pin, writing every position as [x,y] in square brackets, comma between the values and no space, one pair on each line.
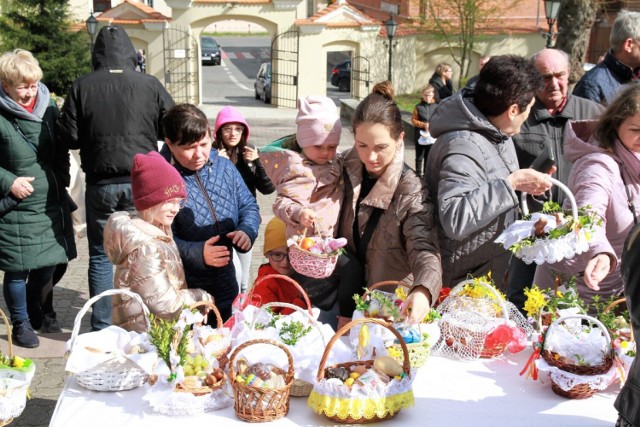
[147,263]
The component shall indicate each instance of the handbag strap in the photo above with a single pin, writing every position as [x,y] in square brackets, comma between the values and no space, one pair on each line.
[33,146]
[630,203]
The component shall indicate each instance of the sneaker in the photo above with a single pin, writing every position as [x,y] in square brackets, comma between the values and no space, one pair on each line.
[50,324]
[24,336]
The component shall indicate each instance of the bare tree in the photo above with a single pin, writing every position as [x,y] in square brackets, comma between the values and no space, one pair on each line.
[461,23]
[575,21]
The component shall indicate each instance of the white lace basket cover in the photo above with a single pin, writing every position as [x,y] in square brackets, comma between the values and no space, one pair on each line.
[466,322]
[162,399]
[545,250]
[567,344]
[14,384]
[110,370]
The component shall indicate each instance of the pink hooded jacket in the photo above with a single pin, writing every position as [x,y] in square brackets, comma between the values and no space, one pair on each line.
[596,180]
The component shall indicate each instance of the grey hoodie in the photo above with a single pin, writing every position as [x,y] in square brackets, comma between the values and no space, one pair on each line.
[466,175]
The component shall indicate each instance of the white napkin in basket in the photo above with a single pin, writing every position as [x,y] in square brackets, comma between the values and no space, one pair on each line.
[93,348]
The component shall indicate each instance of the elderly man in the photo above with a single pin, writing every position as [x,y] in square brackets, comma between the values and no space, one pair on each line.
[620,64]
[545,126]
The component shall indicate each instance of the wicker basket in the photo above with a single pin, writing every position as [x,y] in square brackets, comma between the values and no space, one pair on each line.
[317,266]
[222,358]
[418,352]
[12,401]
[382,410]
[580,391]
[565,246]
[257,405]
[299,388]
[118,373]
[448,330]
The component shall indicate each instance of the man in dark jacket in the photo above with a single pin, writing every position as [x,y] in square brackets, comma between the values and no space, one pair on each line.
[620,65]
[111,115]
[544,130]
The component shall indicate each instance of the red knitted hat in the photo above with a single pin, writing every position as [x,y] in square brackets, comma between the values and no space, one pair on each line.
[154,181]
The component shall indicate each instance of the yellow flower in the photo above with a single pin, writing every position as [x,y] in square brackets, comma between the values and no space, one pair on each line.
[400,293]
[535,302]
[18,362]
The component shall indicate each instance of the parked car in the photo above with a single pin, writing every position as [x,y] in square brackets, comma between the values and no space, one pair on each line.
[210,51]
[341,76]
[262,84]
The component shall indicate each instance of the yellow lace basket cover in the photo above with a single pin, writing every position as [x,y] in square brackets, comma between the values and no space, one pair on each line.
[341,405]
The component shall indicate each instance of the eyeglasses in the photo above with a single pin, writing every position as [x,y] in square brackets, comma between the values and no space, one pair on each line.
[181,203]
[232,129]
[277,256]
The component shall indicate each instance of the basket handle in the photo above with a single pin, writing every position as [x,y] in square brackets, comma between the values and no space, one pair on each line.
[460,286]
[590,319]
[385,283]
[406,364]
[574,207]
[9,339]
[287,279]
[293,307]
[210,306]
[237,350]
[88,304]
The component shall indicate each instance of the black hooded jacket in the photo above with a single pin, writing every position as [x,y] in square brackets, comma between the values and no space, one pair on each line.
[114,112]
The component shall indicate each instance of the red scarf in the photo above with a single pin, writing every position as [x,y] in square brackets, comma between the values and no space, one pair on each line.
[31,105]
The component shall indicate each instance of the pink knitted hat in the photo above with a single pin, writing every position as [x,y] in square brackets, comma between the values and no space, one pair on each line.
[318,122]
[154,181]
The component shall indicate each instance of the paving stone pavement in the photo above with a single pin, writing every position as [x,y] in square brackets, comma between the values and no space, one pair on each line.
[72,292]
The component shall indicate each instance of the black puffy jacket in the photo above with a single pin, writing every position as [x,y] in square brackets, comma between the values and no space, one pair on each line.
[628,401]
[114,112]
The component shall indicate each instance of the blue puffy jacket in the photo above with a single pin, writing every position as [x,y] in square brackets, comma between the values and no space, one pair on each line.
[218,202]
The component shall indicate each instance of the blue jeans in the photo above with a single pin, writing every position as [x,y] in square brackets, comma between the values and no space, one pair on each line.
[15,289]
[100,202]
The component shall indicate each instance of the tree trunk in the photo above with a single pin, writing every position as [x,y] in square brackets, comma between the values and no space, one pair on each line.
[574,29]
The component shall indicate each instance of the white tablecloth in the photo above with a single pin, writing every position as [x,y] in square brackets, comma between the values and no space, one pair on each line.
[452,393]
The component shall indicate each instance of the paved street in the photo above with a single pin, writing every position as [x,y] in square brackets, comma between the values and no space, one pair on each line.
[267,124]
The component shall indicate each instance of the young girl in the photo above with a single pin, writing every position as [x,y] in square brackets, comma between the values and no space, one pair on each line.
[277,252]
[308,178]
[146,257]
[231,141]
[421,117]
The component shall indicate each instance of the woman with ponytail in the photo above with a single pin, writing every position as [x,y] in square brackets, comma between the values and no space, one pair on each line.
[387,215]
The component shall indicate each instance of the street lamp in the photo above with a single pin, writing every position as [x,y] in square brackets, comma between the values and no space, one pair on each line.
[551,10]
[92,27]
[390,25]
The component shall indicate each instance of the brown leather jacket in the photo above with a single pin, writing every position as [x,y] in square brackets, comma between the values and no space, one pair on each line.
[404,244]
[148,263]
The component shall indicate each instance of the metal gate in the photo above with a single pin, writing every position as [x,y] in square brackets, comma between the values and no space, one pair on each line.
[181,65]
[284,69]
[360,77]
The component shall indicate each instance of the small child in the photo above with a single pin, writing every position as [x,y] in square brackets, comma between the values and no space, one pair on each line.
[421,119]
[146,257]
[277,252]
[307,174]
